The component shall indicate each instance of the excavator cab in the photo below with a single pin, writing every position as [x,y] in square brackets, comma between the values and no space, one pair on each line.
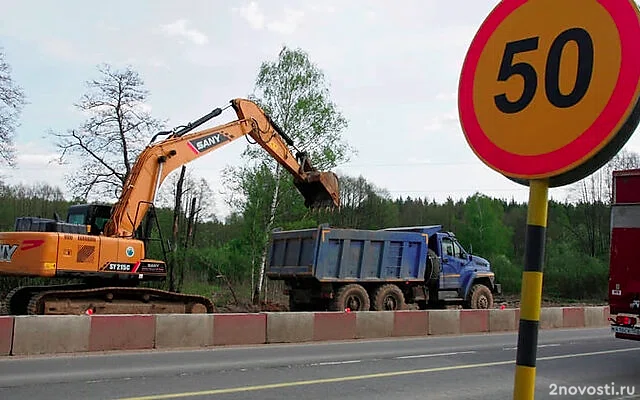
[92,215]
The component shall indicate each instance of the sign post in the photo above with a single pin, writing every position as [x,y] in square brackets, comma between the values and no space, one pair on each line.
[548,94]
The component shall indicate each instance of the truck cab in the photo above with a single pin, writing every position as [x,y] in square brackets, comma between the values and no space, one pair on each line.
[460,272]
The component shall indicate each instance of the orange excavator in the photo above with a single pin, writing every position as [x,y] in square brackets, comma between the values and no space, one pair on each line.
[104,247]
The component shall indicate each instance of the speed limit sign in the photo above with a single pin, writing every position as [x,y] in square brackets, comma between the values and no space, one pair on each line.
[549,88]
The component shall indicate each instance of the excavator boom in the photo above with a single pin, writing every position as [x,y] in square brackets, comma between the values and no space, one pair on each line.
[319,189]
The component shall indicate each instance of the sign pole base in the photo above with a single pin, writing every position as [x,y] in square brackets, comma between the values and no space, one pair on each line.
[531,296]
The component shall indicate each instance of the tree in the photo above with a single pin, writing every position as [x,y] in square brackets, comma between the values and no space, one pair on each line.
[593,195]
[192,187]
[295,94]
[107,143]
[12,100]
[597,187]
[483,227]
[363,205]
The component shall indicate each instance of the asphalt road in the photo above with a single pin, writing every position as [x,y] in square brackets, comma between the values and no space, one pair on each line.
[462,367]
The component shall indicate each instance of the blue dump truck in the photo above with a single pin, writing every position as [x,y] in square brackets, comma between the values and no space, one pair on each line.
[379,270]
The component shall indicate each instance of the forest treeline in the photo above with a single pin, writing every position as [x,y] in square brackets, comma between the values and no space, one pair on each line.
[576,257]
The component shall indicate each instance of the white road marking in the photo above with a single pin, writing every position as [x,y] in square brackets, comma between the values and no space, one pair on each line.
[434,355]
[337,362]
[539,346]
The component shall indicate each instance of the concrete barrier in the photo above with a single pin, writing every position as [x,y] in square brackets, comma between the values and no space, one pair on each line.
[122,332]
[573,317]
[444,322]
[596,317]
[334,326]
[374,324]
[31,335]
[6,335]
[232,329]
[410,323]
[551,318]
[289,327]
[474,321]
[183,330]
[49,334]
[503,320]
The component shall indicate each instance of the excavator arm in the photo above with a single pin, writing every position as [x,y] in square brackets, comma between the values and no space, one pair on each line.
[158,160]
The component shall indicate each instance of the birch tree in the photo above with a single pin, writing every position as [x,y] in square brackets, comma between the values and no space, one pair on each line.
[295,93]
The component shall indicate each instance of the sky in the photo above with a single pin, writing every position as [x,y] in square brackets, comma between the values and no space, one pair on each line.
[392,69]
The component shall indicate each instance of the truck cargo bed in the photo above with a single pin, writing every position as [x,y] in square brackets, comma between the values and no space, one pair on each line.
[329,254]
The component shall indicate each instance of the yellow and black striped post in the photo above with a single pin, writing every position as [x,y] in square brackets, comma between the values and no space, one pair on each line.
[530,301]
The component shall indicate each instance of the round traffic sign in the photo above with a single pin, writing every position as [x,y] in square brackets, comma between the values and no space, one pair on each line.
[550,89]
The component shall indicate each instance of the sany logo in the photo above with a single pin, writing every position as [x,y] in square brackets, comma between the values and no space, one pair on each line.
[6,251]
[206,142]
[31,243]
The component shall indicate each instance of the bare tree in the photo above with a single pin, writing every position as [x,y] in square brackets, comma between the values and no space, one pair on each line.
[118,126]
[597,187]
[192,187]
[593,196]
[12,100]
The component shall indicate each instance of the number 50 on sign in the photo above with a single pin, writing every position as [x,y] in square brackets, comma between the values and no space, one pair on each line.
[549,88]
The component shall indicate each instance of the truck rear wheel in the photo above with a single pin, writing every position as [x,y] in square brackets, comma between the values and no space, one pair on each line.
[388,298]
[353,297]
[480,297]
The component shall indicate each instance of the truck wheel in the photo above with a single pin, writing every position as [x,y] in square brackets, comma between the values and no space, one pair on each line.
[432,274]
[480,297]
[388,298]
[353,297]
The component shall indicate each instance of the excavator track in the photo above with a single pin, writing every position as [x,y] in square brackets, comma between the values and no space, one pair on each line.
[17,300]
[117,300]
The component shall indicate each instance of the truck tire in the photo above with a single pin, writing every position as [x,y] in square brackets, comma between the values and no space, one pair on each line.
[480,297]
[388,298]
[353,297]
[434,267]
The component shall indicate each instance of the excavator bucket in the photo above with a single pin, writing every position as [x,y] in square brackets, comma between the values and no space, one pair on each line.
[320,190]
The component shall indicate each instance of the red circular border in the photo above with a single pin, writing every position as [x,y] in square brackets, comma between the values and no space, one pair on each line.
[623,95]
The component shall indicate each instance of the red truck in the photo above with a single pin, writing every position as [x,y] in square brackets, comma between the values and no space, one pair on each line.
[624,262]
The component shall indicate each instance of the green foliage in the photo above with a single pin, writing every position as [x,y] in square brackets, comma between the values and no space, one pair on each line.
[233,249]
[483,227]
[294,92]
[508,274]
[39,200]
[572,274]
[231,260]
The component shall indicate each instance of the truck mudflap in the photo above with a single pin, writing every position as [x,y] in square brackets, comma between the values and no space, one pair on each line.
[497,288]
